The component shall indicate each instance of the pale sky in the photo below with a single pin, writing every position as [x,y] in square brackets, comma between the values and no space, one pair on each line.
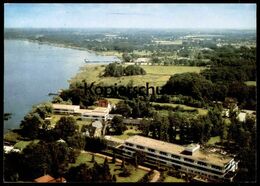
[231,16]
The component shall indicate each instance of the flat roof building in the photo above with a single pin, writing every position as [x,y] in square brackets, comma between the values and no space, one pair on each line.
[187,158]
[67,109]
[98,113]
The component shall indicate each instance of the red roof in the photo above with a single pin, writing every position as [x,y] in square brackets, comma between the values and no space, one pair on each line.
[49,179]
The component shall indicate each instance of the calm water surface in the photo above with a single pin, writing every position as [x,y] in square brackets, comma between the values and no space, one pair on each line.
[32,71]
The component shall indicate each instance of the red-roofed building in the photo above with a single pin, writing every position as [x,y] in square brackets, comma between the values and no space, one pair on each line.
[49,179]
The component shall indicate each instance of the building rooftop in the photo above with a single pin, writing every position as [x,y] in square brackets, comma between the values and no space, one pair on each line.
[91,112]
[142,59]
[62,106]
[200,155]
[44,179]
[101,109]
[49,179]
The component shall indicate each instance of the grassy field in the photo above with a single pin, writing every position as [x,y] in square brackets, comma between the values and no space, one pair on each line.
[136,174]
[12,136]
[250,83]
[111,53]
[185,107]
[173,179]
[128,133]
[175,42]
[213,140]
[114,100]
[22,144]
[156,75]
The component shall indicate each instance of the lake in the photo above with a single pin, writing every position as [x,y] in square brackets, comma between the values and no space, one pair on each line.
[32,71]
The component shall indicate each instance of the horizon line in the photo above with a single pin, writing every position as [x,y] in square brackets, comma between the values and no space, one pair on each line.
[210,28]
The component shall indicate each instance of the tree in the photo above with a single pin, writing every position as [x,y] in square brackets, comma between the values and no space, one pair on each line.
[106,170]
[144,126]
[114,70]
[66,127]
[36,160]
[117,124]
[77,141]
[125,172]
[43,109]
[57,99]
[123,163]
[126,57]
[114,157]
[124,109]
[31,125]
[134,70]
[140,157]
[95,144]
[189,84]
[81,173]
[12,166]
[114,178]
[93,157]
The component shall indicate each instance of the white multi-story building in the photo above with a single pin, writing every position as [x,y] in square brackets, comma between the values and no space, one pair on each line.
[189,159]
[65,109]
[99,113]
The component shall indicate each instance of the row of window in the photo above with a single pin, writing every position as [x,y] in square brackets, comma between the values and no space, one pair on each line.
[178,163]
[175,156]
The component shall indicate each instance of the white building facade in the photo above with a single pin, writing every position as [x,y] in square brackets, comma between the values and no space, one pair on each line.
[188,159]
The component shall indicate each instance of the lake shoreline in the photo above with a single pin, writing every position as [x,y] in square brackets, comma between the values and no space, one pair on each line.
[61,46]
[14,123]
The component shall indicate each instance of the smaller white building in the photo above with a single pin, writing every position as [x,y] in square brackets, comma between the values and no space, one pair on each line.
[99,113]
[65,109]
[8,149]
[142,61]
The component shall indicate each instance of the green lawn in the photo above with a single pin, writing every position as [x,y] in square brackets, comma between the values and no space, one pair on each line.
[128,133]
[22,144]
[86,158]
[136,174]
[185,107]
[173,179]
[250,83]
[213,140]
[110,53]
[227,121]
[114,100]
[12,136]
[156,75]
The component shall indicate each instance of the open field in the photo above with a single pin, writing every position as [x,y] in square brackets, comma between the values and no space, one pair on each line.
[110,53]
[136,174]
[114,100]
[128,133]
[156,75]
[12,136]
[173,179]
[142,53]
[163,42]
[250,83]
[185,107]
[213,140]
[22,144]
